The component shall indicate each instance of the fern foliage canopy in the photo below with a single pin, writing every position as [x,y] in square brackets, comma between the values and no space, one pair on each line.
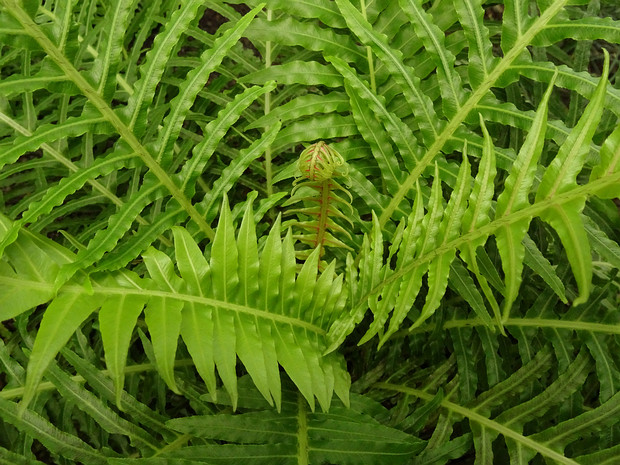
[442,288]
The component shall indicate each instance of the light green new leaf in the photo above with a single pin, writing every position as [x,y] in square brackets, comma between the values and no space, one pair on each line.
[225,281]
[305,283]
[190,261]
[287,272]
[272,368]
[225,349]
[60,320]
[224,258]
[117,319]
[248,258]
[163,318]
[251,351]
[294,361]
[163,314]
[269,270]
[197,333]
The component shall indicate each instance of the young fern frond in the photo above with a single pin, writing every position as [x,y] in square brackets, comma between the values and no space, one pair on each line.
[317,189]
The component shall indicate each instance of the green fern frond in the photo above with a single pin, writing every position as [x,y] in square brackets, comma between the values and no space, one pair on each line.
[472,292]
[56,440]
[207,301]
[444,228]
[344,435]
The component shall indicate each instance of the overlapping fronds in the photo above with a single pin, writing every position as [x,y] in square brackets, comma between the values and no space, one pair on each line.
[236,304]
[173,171]
[489,417]
[557,399]
[474,287]
[426,243]
[353,435]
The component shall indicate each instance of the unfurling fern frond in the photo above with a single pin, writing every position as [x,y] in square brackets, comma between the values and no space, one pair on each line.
[318,191]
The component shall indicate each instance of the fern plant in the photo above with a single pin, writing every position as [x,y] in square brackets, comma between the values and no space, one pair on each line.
[319,164]
[458,303]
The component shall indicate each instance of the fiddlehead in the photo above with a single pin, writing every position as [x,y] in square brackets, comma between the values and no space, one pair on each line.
[318,192]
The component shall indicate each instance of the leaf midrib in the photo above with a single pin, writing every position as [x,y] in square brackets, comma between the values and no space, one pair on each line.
[220,304]
[483,421]
[469,105]
[529,212]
